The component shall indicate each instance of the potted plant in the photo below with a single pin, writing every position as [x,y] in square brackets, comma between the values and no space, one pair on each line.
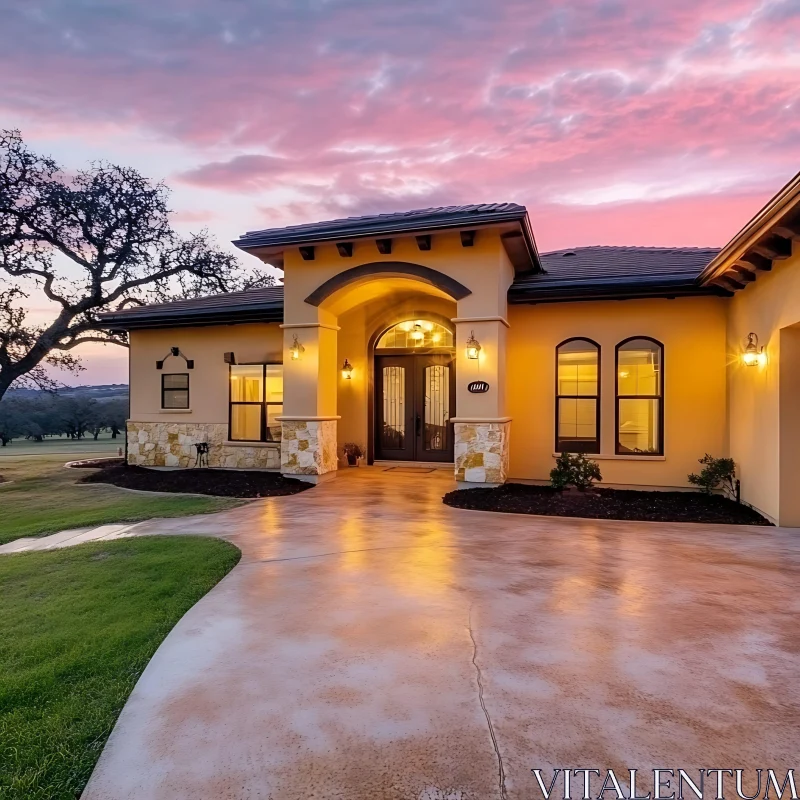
[353,453]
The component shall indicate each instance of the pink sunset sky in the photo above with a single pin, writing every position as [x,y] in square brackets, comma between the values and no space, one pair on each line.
[635,122]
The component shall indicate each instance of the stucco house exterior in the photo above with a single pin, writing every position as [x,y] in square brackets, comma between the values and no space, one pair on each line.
[443,336]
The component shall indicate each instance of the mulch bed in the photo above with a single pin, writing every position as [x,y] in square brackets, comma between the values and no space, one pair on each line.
[219,482]
[517,498]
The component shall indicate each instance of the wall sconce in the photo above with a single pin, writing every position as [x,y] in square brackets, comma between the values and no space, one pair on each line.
[296,349]
[473,346]
[753,354]
[176,352]
[347,370]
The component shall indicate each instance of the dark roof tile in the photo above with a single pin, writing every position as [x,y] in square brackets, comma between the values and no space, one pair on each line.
[596,272]
[377,224]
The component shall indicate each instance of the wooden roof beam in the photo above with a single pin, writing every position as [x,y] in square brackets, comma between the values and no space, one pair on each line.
[743,274]
[774,247]
[755,260]
[729,283]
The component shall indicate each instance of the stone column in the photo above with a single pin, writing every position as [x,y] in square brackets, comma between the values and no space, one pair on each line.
[308,423]
[481,426]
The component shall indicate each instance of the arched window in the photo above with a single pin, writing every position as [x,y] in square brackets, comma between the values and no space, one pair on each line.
[578,396]
[640,403]
[415,333]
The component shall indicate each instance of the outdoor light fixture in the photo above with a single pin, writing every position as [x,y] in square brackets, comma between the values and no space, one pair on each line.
[417,334]
[347,370]
[473,346]
[297,349]
[753,354]
[176,352]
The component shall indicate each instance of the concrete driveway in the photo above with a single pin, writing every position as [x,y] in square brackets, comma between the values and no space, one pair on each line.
[375,644]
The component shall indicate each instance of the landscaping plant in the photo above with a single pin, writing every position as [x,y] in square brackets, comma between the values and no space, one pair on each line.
[715,472]
[574,469]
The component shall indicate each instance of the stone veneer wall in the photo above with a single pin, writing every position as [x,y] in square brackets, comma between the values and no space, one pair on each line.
[308,447]
[169,444]
[481,451]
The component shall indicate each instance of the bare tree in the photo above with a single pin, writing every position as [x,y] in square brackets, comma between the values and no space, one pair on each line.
[99,240]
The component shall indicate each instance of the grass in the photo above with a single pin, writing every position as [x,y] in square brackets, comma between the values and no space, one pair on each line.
[43,497]
[78,627]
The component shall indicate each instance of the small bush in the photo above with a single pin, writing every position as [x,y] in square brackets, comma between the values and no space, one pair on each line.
[715,471]
[574,469]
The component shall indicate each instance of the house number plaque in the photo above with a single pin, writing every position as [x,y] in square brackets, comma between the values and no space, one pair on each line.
[478,387]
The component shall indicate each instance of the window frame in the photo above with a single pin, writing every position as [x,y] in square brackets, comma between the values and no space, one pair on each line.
[188,406]
[596,397]
[658,397]
[262,403]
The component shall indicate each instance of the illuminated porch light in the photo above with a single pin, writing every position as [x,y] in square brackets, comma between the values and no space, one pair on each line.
[347,370]
[296,349]
[473,346]
[417,334]
[753,354]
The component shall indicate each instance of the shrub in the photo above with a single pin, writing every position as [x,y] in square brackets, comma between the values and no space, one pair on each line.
[715,471]
[574,469]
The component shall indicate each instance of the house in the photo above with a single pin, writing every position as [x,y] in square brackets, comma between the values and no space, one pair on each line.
[445,336]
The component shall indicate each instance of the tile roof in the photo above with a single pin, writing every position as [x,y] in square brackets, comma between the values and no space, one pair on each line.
[581,273]
[378,224]
[253,305]
[585,273]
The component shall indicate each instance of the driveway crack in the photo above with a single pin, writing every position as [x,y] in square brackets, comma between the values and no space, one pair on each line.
[479,674]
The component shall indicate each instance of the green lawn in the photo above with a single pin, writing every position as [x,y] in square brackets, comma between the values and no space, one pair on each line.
[43,497]
[78,627]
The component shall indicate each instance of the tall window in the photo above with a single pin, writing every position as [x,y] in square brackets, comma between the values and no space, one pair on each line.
[578,396]
[640,389]
[175,390]
[256,400]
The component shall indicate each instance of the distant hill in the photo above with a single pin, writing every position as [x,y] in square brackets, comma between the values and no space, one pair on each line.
[107,391]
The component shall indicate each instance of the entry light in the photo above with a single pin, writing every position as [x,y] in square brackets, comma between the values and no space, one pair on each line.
[347,370]
[753,354]
[296,349]
[417,334]
[473,346]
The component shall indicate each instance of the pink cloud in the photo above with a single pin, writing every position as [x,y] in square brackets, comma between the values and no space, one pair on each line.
[603,110]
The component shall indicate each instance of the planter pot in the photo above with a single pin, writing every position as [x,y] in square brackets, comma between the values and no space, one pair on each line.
[352,461]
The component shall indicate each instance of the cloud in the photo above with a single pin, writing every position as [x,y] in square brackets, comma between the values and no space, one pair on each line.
[350,106]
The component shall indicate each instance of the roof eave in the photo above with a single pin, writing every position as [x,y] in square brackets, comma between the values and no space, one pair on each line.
[226,316]
[787,199]
[274,246]
[629,291]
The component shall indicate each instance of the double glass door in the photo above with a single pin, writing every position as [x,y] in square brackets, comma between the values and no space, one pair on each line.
[414,401]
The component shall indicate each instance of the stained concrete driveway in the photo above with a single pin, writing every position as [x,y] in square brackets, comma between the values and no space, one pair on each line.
[376,644]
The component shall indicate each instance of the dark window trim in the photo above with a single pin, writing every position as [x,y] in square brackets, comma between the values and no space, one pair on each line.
[596,397]
[659,397]
[262,403]
[172,408]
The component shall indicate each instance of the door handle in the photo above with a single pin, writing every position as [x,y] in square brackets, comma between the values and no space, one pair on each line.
[417,424]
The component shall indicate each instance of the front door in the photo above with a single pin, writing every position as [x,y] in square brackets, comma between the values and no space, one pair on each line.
[414,401]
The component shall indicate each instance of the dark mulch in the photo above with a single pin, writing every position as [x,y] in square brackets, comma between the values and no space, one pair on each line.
[517,498]
[219,482]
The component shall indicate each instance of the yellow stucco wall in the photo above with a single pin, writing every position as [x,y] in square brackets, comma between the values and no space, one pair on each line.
[762,399]
[208,381]
[692,331]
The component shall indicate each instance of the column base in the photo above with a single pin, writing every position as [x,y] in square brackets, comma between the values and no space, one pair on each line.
[481,453]
[308,448]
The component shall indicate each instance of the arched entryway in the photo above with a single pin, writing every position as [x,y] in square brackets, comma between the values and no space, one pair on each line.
[414,390]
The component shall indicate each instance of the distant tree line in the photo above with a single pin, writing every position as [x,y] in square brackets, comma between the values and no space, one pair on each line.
[35,418]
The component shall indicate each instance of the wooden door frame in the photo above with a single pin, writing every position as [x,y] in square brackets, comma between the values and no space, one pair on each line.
[371,351]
